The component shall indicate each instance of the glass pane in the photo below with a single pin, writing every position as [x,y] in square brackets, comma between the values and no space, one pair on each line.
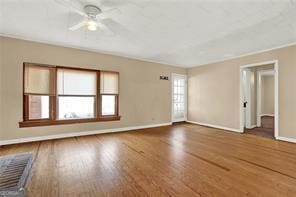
[182,99]
[175,83]
[175,98]
[175,107]
[76,82]
[175,90]
[108,105]
[109,83]
[182,83]
[39,79]
[181,90]
[76,107]
[38,107]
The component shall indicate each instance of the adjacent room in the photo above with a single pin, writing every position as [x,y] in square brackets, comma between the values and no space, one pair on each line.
[259,99]
[147,98]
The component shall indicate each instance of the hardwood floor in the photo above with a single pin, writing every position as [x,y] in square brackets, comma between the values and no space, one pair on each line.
[178,160]
[266,129]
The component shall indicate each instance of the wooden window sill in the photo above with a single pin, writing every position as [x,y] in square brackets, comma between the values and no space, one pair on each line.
[39,123]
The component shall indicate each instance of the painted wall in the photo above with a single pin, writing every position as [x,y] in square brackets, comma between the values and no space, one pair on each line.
[214,90]
[144,99]
[267,95]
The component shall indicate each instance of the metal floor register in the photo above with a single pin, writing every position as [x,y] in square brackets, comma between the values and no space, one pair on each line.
[14,171]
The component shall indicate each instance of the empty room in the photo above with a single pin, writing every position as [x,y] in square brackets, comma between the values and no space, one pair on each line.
[147,98]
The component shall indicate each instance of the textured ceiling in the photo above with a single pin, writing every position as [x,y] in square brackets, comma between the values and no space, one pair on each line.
[177,32]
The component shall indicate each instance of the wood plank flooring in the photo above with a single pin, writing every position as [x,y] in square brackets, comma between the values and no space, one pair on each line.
[179,160]
[266,129]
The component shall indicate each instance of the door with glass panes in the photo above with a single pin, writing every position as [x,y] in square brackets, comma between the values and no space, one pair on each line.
[179,97]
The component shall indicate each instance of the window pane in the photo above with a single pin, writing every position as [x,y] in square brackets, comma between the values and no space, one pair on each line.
[76,82]
[38,107]
[39,79]
[76,107]
[109,83]
[108,105]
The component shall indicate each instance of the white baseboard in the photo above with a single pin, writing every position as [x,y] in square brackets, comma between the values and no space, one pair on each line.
[214,126]
[267,115]
[75,134]
[252,127]
[287,139]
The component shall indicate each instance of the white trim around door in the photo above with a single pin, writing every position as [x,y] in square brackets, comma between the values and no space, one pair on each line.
[276,94]
[247,98]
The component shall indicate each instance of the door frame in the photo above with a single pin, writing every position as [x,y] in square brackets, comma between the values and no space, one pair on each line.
[172,97]
[247,94]
[261,73]
[276,94]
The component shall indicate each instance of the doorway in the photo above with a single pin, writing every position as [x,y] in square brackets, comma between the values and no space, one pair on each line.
[259,99]
[179,97]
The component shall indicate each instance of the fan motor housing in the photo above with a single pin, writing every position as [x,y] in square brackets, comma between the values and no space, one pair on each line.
[92,10]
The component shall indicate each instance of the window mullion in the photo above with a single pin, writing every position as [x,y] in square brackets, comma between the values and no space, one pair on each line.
[98,96]
[116,105]
[26,107]
[54,99]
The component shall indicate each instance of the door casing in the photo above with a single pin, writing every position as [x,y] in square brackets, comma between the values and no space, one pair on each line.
[276,94]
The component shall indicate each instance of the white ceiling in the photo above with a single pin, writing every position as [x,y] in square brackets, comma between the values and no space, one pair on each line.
[177,32]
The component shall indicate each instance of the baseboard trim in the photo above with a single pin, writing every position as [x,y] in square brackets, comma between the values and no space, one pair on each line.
[252,127]
[76,134]
[287,139]
[214,126]
[267,115]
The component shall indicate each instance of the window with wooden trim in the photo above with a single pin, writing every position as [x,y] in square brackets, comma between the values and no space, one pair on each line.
[109,93]
[64,95]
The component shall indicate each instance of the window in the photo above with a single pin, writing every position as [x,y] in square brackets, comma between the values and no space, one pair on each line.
[39,89]
[108,105]
[62,95]
[76,107]
[38,107]
[109,93]
[76,93]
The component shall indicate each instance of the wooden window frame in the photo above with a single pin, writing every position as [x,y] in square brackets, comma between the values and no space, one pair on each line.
[53,102]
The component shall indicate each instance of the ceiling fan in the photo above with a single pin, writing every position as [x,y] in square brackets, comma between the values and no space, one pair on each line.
[93,16]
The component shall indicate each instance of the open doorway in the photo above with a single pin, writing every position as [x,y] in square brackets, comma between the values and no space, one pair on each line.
[259,98]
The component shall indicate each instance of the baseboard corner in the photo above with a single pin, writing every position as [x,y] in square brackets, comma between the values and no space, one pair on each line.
[215,126]
[286,139]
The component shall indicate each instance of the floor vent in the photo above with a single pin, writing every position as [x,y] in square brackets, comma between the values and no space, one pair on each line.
[14,171]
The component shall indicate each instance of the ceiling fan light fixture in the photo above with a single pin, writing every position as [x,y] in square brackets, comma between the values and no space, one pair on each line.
[91,25]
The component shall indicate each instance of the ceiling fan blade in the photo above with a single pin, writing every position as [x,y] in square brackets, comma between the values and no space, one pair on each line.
[104,28]
[108,13]
[73,5]
[77,26]
[115,26]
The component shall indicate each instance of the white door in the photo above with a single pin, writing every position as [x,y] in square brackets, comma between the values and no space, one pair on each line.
[179,97]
